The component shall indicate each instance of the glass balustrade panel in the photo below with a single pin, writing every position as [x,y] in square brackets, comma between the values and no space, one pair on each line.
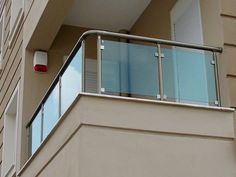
[189,76]
[35,132]
[71,81]
[130,70]
[51,111]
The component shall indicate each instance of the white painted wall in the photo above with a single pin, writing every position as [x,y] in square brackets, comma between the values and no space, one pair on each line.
[186,22]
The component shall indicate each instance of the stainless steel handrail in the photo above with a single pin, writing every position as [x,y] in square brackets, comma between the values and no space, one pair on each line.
[152,40]
[117,35]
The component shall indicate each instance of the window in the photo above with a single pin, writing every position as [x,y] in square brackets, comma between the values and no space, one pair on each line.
[2,26]
[9,136]
[16,17]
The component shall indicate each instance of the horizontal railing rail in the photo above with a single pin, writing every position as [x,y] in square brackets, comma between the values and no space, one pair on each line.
[116,35]
[152,40]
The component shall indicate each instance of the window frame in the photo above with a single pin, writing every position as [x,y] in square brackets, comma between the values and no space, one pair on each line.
[12,170]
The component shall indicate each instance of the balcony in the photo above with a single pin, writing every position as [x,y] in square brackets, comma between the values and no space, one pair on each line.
[125,105]
[130,66]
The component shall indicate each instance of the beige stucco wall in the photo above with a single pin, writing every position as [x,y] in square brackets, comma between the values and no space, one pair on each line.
[211,22]
[10,76]
[155,20]
[213,36]
[137,138]
[228,17]
[98,152]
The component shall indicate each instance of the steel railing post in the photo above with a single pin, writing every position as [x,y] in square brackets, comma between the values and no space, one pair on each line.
[83,67]
[59,95]
[99,65]
[160,72]
[29,136]
[216,78]
[42,120]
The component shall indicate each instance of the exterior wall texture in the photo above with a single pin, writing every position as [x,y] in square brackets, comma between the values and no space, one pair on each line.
[155,20]
[11,66]
[108,143]
[228,15]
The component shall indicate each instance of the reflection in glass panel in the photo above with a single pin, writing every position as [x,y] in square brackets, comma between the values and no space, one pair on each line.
[36,132]
[129,69]
[188,76]
[71,81]
[51,111]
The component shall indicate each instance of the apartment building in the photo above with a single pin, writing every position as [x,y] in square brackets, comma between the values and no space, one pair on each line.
[96,88]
